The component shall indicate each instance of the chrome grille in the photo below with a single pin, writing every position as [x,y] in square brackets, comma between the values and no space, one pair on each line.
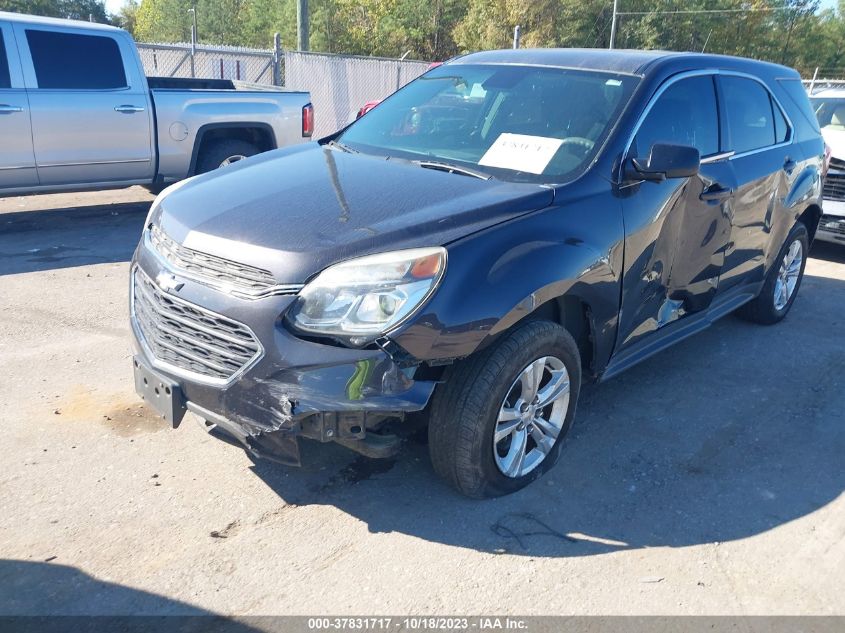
[216,271]
[834,185]
[833,224]
[189,338]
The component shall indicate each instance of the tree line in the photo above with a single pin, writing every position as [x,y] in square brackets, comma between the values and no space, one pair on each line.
[792,32]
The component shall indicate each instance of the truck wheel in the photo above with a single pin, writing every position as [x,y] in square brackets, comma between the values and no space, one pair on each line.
[224,152]
[782,282]
[498,421]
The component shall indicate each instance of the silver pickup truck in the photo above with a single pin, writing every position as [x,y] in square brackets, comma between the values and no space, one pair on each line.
[77,112]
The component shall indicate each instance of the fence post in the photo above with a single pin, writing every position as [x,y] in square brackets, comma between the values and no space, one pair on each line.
[813,82]
[277,60]
[193,13]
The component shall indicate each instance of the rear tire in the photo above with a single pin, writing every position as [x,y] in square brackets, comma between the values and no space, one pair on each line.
[223,152]
[782,282]
[478,398]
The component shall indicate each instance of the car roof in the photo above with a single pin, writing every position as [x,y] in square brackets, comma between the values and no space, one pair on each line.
[37,20]
[633,62]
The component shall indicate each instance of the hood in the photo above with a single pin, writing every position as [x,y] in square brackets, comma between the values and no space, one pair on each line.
[835,139]
[298,210]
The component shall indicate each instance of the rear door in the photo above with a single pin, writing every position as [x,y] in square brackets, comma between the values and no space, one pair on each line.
[91,120]
[17,160]
[676,229]
[758,133]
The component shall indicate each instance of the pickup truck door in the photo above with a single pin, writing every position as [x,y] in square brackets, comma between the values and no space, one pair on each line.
[17,160]
[91,119]
[676,230]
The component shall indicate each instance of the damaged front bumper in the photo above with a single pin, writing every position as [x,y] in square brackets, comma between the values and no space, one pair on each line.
[293,388]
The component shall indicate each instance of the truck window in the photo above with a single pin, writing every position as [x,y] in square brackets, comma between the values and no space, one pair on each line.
[685,114]
[5,80]
[749,113]
[75,62]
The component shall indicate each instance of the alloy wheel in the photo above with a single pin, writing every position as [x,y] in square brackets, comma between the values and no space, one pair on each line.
[232,159]
[787,279]
[531,417]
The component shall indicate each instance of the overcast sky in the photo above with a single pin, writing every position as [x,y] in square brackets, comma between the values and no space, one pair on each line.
[114,5]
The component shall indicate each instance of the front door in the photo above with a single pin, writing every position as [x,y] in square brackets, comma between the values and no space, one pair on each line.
[90,116]
[17,160]
[676,230]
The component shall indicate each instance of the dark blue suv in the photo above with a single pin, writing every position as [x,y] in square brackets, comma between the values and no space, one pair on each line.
[471,250]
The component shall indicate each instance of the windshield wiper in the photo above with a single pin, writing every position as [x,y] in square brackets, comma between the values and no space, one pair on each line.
[342,147]
[452,169]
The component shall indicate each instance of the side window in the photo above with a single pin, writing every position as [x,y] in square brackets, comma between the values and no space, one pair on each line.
[749,114]
[781,127]
[5,80]
[75,62]
[685,114]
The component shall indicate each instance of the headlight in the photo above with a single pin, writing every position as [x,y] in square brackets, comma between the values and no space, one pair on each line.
[361,299]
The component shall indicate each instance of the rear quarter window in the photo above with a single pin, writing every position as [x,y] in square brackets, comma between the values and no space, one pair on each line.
[69,61]
[797,104]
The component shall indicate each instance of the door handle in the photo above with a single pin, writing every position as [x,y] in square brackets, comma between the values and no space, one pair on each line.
[128,109]
[715,193]
[9,109]
[789,165]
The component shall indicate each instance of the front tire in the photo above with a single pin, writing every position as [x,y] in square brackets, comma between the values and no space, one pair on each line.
[499,420]
[782,282]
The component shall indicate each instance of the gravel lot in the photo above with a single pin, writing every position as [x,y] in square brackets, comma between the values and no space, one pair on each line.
[707,480]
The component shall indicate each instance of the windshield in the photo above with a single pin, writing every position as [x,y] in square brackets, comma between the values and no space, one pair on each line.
[519,123]
[830,112]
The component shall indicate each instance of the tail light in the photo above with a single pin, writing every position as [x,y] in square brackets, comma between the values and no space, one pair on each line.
[307,120]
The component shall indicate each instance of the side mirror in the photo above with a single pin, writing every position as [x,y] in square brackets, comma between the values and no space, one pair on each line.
[667,161]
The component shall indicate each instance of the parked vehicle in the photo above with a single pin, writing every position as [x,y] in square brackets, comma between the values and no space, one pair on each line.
[493,234]
[76,111]
[829,106]
[367,107]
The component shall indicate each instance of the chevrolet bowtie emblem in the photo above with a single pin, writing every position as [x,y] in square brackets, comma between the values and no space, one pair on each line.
[168,282]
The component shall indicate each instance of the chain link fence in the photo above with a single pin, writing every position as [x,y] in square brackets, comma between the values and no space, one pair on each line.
[341,84]
[817,85]
[212,62]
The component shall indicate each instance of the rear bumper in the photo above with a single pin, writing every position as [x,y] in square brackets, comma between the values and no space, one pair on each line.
[295,388]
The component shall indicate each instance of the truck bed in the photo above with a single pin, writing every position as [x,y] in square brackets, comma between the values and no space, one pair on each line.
[187,83]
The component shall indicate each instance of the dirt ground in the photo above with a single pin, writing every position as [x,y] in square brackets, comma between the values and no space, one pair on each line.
[707,480]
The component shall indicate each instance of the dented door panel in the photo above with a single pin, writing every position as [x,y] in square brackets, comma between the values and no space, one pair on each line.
[675,249]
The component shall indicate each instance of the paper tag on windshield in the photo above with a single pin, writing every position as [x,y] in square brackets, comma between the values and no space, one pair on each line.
[521,152]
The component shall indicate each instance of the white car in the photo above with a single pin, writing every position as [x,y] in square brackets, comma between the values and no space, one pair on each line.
[829,106]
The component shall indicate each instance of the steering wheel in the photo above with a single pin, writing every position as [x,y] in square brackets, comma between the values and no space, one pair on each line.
[579,142]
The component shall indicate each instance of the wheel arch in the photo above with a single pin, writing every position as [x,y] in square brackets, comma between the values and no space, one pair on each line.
[259,134]
[574,314]
[810,218]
